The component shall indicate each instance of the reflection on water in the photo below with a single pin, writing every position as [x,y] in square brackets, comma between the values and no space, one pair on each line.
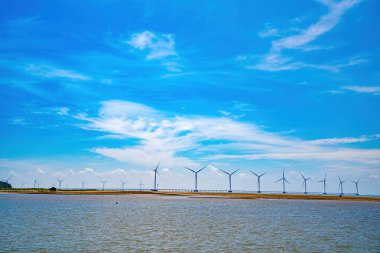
[82,223]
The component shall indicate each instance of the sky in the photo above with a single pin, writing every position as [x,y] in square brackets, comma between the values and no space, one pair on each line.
[104,90]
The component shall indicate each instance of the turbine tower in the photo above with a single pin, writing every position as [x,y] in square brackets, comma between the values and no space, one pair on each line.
[60,182]
[341,185]
[258,180]
[155,177]
[140,185]
[305,182]
[35,182]
[103,182]
[283,181]
[356,185]
[229,177]
[196,176]
[82,185]
[324,184]
[122,184]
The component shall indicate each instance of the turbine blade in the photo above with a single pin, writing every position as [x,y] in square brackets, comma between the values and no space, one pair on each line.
[278,180]
[189,169]
[157,166]
[224,171]
[263,174]
[286,181]
[234,172]
[254,173]
[202,168]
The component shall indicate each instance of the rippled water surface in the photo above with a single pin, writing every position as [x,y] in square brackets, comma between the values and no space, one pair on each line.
[144,223]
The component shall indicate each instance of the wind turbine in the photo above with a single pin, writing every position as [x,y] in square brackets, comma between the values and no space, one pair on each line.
[103,182]
[196,176]
[60,182]
[35,182]
[22,185]
[305,182]
[82,185]
[341,185]
[122,184]
[258,180]
[140,185]
[324,184]
[356,184]
[155,177]
[229,177]
[283,181]
[7,181]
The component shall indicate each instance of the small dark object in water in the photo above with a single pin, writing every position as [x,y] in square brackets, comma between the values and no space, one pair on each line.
[53,189]
[116,203]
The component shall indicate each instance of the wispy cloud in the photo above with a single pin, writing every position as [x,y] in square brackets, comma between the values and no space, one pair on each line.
[164,136]
[48,71]
[324,24]
[158,46]
[269,32]
[18,121]
[375,90]
[275,60]
[345,140]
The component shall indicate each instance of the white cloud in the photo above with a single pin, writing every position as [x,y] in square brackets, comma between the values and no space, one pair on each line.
[158,45]
[52,72]
[274,60]
[40,171]
[165,137]
[87,171]
[18,121]
[344,140]
[62,110]
[324,24]
[269,32]
[363,89]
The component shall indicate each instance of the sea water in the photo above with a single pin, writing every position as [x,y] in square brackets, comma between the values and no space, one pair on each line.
[146,223]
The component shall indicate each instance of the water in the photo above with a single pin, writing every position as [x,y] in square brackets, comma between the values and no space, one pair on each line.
[143,223]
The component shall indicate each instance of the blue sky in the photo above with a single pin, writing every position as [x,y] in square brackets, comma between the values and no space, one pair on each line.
[105,89]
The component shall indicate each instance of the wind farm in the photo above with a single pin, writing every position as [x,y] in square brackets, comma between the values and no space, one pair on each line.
[228,193]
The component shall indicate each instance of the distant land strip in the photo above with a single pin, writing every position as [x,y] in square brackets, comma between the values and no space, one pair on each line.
[200,194]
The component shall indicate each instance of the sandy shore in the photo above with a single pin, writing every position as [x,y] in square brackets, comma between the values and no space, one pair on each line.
[201,194]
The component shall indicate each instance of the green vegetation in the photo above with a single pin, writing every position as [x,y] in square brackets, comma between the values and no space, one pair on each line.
[5,185]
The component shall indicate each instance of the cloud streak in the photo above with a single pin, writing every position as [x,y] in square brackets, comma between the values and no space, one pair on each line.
[48,71]
[158,45]
[375,90]
[182,140]
[275,60]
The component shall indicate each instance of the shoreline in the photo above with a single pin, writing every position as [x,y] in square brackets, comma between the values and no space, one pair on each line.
[201,194]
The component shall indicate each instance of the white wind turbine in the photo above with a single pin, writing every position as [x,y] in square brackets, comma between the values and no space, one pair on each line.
[324,184]
[304,184]
[283,181]
[60,182]
[196,176]
[229,178]
[356,185]
[258,180]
